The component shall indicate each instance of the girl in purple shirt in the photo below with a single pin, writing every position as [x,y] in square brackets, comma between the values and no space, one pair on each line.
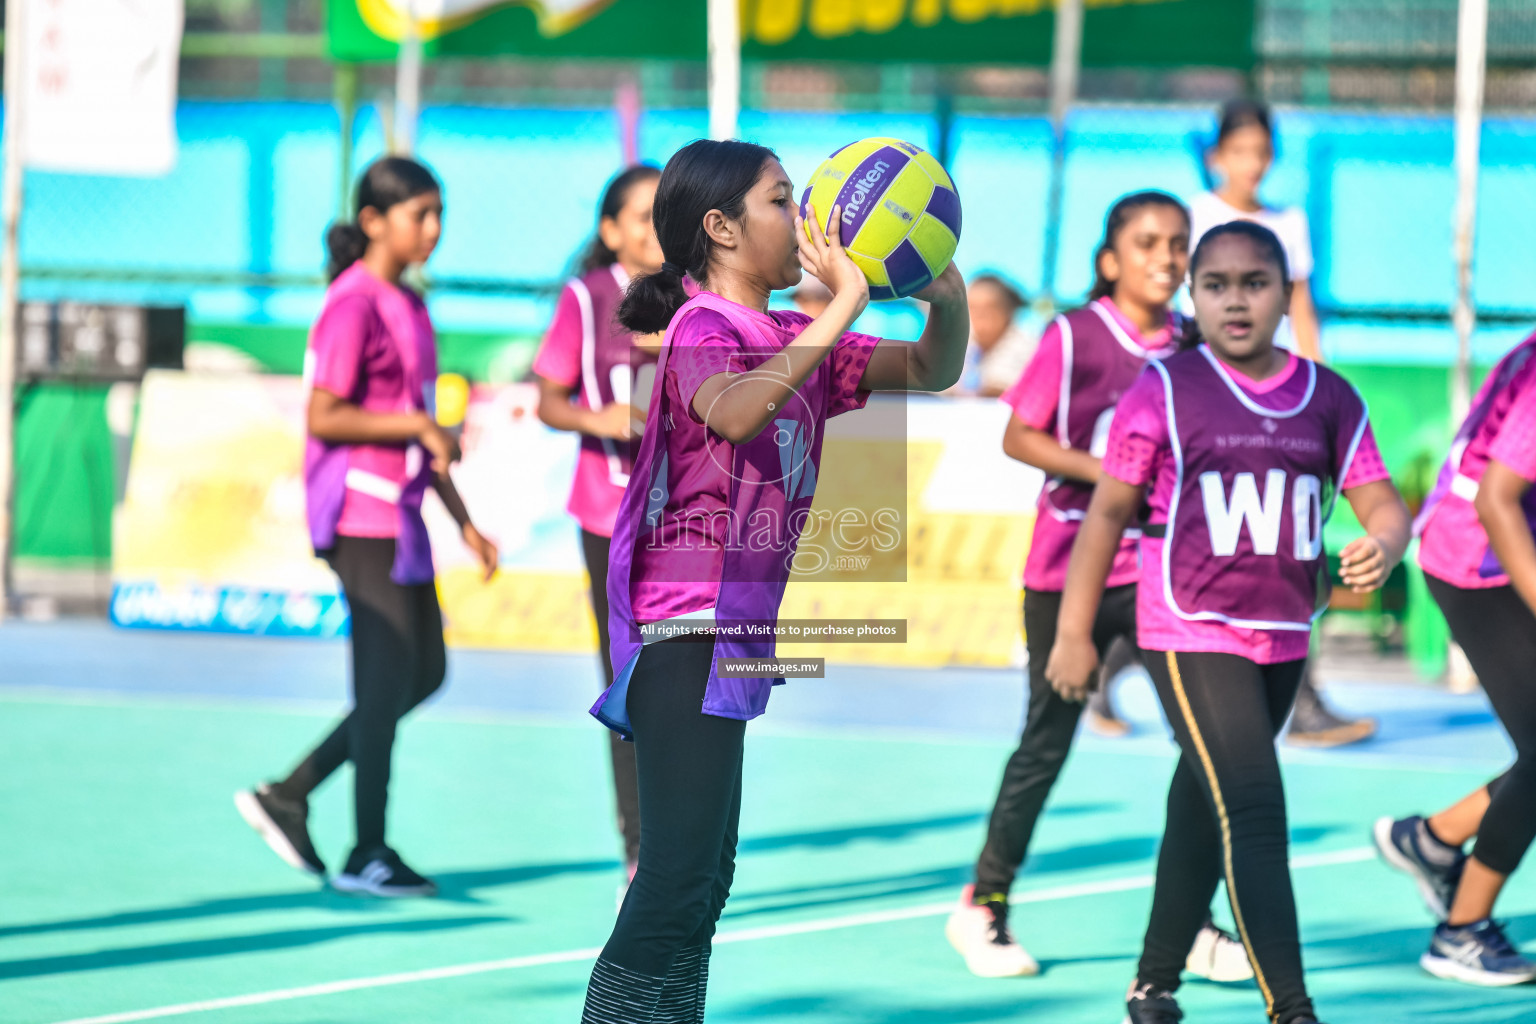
[1477,546]
[588,368]
[1062,406]
[374,448]
[706,534]
[1237,449]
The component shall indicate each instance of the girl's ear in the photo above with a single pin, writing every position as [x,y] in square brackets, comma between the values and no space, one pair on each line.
[609,234]
[1109,265]
[372,223]
[720,229]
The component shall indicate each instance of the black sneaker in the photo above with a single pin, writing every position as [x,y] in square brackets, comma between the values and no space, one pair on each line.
[1478,954]
[381,872]
[1147,1005]
[283,823]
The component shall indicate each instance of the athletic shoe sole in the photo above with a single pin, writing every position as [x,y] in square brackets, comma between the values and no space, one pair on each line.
[1443,967]
[1030,968]
[1381,832]
[1338,736]
[256,816]
[357,886]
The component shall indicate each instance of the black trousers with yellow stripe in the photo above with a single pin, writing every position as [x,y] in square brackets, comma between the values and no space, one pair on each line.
[1226,819]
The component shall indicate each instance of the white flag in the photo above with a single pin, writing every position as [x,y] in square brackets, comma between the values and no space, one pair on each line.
[100,85]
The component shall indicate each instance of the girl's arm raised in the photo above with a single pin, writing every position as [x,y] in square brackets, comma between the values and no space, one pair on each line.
[936,360]
[1073,656]
[1499,508]
[756,394]
[1366,561]
[1039,449]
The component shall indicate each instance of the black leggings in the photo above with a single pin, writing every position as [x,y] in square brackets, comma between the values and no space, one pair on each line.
[398,660]
[1497,630]
[1226,817]
[594,548]
[1047,738]
[690,802]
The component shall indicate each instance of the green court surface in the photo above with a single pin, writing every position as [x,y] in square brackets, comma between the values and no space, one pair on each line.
[134,892]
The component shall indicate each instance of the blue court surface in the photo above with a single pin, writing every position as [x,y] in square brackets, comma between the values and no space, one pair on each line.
[134,892]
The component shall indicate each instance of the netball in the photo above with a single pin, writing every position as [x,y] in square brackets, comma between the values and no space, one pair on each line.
[900,212]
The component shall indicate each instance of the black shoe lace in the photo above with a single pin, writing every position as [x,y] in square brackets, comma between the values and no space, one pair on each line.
[998,908]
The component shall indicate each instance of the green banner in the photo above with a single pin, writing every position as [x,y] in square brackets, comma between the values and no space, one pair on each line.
[1116,33]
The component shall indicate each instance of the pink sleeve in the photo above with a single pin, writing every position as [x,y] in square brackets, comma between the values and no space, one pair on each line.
[337,344]
[1515,443]
[703,345]
[1367,467]
[559,358]
[1138,435]
[1037,393]
[850,356]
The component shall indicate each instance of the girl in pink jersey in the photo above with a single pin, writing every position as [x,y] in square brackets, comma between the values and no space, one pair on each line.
[1062,406]
[374,448]
[1479,558]
[1237,449]
[587,368]
[722,485]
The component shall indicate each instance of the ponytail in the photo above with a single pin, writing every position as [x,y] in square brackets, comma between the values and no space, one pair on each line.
[704,175]
[596,254]
[387,181]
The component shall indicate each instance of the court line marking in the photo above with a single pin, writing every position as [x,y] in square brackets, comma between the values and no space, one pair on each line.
[67,696]
[1061,892]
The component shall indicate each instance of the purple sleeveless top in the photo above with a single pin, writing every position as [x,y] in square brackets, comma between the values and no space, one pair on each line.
[1099,362]
[609,360]
[1446,533]
[772,481]
[326,466]
[1253,488]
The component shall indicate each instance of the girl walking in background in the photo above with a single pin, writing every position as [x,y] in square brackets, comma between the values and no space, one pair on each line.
[586,368]
[1240,160]
[374,448]
[1062,405]
[1231,583]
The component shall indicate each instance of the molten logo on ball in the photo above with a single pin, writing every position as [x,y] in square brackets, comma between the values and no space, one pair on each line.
[900,214]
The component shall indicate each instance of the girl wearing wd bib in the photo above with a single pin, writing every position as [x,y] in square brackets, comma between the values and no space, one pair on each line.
[587,369]
[722,485]
[374,448]
[1243,447]
[1062,406]
[1479,558]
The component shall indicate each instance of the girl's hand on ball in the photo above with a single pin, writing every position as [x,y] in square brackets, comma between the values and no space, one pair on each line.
[826,259]
[947,288]
[1363,565]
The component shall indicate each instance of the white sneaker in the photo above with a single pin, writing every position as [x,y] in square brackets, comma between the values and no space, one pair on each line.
[1218,956]
[981,935]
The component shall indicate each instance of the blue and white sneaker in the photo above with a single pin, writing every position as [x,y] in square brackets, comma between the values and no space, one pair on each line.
[1478,954]
[1408,846]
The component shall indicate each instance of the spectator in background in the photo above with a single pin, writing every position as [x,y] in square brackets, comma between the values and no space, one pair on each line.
[999,348]
[1235,168]
[1238,162]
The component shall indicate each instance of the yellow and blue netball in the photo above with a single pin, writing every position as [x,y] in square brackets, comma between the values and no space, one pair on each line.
[900,212]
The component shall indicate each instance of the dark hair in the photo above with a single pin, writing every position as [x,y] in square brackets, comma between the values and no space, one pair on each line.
[596,254]
[1011,294]
[704,175]
[387,181]
[1266,240]
[1124,209]
[1238,114]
